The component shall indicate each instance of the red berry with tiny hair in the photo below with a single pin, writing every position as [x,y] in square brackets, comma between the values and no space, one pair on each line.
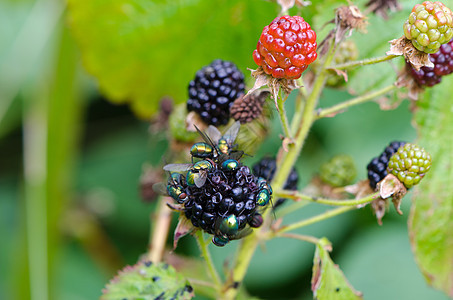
[286,47]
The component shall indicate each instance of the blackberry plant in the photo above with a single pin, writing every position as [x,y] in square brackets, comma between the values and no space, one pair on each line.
[219,199]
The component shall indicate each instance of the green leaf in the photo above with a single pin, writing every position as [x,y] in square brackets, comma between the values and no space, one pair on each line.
[431,220]
[328,282]
[141,50]
[146,280]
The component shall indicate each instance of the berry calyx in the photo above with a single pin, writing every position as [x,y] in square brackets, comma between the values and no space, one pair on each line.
[286,47]
[377,168]
[429,25]
[409,164]
[443,65]
[213,91]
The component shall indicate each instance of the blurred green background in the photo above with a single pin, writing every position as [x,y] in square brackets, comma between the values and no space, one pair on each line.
[70,160]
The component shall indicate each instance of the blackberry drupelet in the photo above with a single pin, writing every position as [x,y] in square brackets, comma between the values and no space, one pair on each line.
[377,168]
[443,65]
[213,91]
[266,167]
[410,164]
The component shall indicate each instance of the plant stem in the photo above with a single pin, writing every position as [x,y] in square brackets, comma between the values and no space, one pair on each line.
[358,100]
[283,116]
[207,257]
[348,202]
[306,238]
[369,61]
[300,105]
[243,258]
[291,208]
[326,215]
[160,231]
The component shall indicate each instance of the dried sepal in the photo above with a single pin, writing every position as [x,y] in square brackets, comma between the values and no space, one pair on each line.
[406,80]
[274,84]
[403,46]
[359,189]
[287,4]
[389,187]
[348,18]
[183,228]
[379,207]
[382,7]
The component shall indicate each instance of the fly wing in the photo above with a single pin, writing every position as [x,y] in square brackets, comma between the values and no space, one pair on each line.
[232,132]
[177,167]
[240,234]
[213,133]
[201,179]
[206,138]
[160,188]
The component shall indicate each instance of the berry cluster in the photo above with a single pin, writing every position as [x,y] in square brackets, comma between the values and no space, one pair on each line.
[286,47]
[429,25]
[409,164]
[443,65]
[265,168]
[377,168]
[218,193]
[213,91]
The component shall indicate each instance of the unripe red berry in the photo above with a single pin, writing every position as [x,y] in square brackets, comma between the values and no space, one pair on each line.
[286,47]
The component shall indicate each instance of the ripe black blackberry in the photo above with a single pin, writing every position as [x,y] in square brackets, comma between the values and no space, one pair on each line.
[443,65]
[377,168]
[265,168]
[223,194]
[213,91]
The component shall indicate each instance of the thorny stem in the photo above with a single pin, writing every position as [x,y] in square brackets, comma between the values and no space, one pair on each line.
[306,238]
[357,63]
[203,245]
[283,116]
[326,215]
[347,202]
[358,100]
[286,163]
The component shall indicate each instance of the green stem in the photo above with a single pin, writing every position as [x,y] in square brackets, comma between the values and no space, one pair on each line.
[348,202]
[357,63]
[358,100]
[326,215]
[291,208]
[305,238]
[298,111]
[207,257]
[243,258]
[283,116]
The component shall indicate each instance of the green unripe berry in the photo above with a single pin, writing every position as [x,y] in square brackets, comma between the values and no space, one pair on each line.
[409,164]
[339,171]
[429,25]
